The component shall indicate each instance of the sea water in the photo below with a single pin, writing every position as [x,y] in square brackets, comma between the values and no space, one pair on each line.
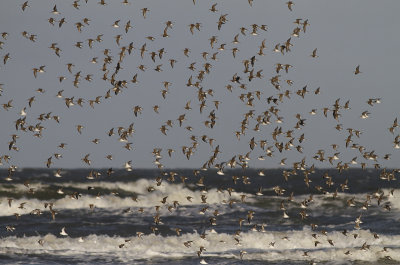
[110,219]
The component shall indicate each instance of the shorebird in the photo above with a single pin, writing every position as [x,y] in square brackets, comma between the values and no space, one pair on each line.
[63,233]
[144,11]
[24,6]
[314,53]
[289,5]
[357,71]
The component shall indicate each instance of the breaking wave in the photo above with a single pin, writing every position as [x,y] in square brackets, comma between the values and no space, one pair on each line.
[267,246]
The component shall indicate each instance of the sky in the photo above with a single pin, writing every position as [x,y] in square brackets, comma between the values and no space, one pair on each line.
[345,34]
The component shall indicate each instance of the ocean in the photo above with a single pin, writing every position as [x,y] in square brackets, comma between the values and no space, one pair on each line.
[191,217]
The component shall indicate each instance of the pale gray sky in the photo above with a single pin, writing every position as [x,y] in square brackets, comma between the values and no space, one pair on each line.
[346,34]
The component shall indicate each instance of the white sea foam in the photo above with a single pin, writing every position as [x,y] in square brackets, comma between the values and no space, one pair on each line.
[289,245]
[175,192]
[323,204]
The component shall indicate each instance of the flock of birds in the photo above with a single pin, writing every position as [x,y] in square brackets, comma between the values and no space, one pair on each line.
[112,60]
